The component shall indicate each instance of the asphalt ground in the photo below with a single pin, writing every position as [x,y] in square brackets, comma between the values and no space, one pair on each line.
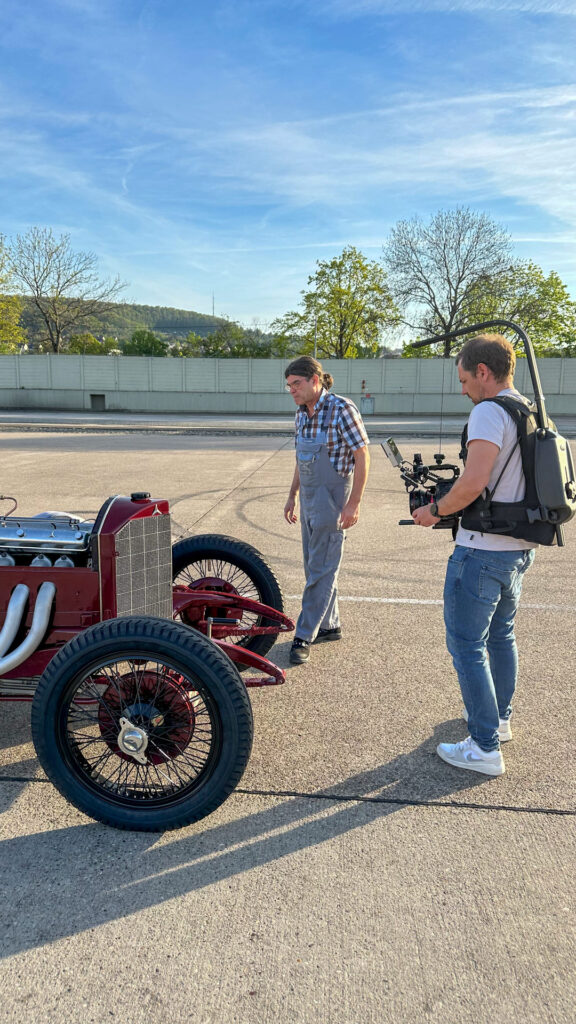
[207,424]
[353,877]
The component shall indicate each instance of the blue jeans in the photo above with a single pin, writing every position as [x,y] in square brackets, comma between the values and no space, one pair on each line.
[481,595]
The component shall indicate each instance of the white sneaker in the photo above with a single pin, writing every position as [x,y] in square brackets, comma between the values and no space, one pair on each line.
[467,754]
[504,728]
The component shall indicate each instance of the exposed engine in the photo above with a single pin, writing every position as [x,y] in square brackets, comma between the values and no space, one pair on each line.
[61,574]
[50,538]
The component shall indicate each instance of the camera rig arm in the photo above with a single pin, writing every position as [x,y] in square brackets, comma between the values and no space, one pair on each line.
[528,349]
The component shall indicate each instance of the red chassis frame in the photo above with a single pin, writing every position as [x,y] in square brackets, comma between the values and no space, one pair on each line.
[87,595]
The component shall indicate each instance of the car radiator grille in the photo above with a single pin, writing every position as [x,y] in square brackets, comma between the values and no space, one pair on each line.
[144,567]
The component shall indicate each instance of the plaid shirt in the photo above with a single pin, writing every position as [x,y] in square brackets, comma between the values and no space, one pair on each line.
[344,427]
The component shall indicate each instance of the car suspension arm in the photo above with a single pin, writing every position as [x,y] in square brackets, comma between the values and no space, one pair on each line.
[275,676]
[185,600]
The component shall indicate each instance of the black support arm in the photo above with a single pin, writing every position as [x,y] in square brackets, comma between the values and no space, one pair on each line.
[534,375]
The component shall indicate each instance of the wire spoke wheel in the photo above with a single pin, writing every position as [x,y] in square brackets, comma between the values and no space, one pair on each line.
[176,724]
[219,575]
[142,724]
[222,564]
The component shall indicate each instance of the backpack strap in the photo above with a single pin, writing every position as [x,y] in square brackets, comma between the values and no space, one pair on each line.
[517,410]
[520,413]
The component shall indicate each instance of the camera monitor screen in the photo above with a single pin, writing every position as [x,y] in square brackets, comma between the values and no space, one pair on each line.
[392,452]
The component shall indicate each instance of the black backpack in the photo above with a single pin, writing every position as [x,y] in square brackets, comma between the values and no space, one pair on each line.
[550,498]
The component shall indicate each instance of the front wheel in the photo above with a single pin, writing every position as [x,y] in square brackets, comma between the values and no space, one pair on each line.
[223,564]
[142,724]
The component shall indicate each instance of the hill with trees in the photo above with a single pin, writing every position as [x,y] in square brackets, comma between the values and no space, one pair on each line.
[121,319]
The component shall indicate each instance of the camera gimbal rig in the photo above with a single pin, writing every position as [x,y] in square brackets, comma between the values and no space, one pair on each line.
[424,483]
[417,475]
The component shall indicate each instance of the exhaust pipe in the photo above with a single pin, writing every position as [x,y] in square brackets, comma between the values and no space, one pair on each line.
[40,619]
[14,613]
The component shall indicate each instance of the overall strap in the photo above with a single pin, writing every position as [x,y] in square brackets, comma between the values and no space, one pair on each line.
[325,413]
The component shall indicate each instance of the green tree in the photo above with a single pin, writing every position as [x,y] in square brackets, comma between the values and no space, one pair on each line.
[426,352]
[191,348]
[84,344]
[345,312]
[110,347]
[282,346]
[145,343]
[87,345]
[226,342]
[11,333]
[567,349]
[232,341]
[435,269]
[538,302]
[64,288]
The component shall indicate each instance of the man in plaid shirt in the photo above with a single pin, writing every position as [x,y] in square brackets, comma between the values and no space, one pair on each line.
[332,463]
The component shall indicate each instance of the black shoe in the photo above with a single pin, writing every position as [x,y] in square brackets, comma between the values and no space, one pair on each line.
[300,651]
[328,634]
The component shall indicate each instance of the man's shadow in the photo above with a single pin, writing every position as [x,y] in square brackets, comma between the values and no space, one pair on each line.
[58,875]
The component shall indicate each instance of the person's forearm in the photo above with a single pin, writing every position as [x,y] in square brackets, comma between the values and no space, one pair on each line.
[295,485]
[462,493]
[291,506]
[476,476]
[361,467]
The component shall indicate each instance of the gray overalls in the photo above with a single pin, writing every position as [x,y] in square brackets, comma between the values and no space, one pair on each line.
[323,494]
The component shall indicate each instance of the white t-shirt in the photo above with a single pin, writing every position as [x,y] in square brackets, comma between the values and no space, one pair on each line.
[490,422]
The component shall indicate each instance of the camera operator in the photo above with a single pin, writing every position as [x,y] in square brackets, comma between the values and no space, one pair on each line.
[485,572]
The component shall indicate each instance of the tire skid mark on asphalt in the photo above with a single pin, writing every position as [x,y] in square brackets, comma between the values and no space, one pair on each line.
[224,497]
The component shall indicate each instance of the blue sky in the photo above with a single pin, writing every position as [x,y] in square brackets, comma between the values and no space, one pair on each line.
[223,148]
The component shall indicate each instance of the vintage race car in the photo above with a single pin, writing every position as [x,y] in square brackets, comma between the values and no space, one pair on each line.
[130,650]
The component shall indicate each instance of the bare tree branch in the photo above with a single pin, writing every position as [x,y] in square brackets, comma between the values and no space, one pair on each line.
[435,269]
[63,285]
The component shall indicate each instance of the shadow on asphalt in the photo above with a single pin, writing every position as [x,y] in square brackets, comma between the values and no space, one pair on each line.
[69,880]
[18,734]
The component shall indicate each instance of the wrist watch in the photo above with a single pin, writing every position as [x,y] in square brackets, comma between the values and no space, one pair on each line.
[434,509]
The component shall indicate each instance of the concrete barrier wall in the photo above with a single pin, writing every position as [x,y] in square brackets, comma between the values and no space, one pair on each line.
[142,384]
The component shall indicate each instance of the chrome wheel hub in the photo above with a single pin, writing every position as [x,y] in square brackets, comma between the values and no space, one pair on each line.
[133,741]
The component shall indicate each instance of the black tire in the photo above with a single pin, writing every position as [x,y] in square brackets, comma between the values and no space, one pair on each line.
[173,687]
[241,567]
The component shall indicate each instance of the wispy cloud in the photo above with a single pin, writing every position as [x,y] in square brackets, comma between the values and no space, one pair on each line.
[353,8]
[478,148]
[521,143]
